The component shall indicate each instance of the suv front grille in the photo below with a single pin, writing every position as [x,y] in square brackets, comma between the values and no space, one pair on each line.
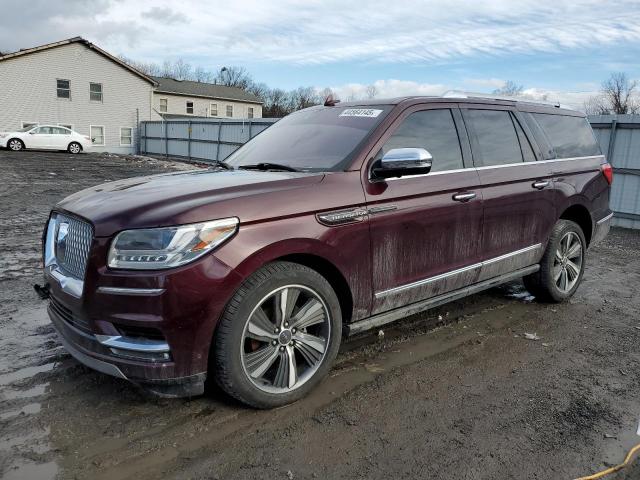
[72,249]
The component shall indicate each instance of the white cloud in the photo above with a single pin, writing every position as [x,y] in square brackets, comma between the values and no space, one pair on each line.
[401,88]
[321,32]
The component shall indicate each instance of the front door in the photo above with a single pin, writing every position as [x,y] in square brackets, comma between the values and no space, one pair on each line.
[424,229]
[517,189]
[41,137]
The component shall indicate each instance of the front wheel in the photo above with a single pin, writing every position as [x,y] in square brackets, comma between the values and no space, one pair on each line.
[278,336]
[74,147]
[562,264]
[15,144]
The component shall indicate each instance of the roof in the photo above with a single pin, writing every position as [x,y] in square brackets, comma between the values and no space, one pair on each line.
[201,89]
[522,104]
[86,43]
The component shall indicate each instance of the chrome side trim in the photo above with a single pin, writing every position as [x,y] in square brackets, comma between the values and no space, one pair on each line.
[380,209]
[131,291]
[512,254]
[458,271]
[411,309]
[607,218]
[133,344]
[486,167]
[340,217]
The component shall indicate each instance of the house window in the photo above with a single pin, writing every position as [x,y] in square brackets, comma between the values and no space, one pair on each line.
[250,112]
[163,104]
[97,134]
[190,107]
[95,92]
[213,110]
[126,136]
[229,110]
[66,125]
[63,89]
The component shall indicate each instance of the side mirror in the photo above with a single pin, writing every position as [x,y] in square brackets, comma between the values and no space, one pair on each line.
[32,132]
[402,162]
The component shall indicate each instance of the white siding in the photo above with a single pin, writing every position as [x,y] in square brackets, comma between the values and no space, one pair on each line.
[177,105]
[28,93]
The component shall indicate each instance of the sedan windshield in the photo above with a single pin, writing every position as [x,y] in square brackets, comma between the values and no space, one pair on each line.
[312,140]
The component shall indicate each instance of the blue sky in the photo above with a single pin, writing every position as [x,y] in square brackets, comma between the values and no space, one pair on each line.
[560,49]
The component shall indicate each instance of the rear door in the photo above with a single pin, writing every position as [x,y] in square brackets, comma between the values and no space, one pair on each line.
[424,229]
[517,189]
[61,138]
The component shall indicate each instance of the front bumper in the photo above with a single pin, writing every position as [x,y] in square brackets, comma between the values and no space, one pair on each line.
[153,328]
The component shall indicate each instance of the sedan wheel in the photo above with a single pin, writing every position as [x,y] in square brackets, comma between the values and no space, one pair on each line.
[285,339]
[15,145]
[74,148]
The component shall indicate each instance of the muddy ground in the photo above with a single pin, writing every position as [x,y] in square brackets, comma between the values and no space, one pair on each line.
[456,393]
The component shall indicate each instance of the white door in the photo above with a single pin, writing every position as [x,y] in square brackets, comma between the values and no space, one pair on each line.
[39,138]
[61,138]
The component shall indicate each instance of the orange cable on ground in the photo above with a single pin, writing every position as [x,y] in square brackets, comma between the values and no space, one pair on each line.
[615,469]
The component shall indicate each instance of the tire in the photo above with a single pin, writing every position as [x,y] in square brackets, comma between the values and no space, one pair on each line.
[15,144]
[557,281]
[252,360]
[74,148]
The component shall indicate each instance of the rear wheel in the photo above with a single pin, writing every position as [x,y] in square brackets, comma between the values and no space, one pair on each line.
[74,147]
[15,144]
[562,264]
[278,336]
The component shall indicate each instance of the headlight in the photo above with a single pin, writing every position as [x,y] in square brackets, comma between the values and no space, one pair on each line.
[156,248]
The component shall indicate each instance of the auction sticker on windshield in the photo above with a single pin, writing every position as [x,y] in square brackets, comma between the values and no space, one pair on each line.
[361,112]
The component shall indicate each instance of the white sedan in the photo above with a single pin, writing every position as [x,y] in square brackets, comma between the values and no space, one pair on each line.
[46,137]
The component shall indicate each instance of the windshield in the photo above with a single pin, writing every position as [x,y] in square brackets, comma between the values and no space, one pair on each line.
[314,139]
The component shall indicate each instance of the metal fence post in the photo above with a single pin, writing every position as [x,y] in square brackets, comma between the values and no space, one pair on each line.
[612,141]
[189,141]
[218,142]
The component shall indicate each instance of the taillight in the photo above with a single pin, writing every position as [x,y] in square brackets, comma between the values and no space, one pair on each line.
[607,171]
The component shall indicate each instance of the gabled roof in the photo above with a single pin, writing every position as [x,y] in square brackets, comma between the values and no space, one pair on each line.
[206,90]
[86,43]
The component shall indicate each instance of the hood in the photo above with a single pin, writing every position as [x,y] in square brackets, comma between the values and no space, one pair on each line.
[185,197]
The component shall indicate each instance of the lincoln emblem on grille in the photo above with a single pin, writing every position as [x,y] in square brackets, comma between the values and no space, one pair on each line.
[61,241]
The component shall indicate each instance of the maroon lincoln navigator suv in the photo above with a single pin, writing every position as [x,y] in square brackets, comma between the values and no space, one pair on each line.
[337,219]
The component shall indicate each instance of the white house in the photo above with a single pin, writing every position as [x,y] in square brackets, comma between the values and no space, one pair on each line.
[183,98]
[78,85]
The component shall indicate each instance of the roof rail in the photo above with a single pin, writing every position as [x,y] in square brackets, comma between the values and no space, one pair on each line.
[489,96]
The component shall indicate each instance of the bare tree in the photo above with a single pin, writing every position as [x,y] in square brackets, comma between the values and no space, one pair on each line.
[371,91]
[260,90]
[202,75]
[620,94]
[303,97]
[182,69]
[234,77]
[276,103]
[326,93]
[509,89]
[596,105]
[167,69]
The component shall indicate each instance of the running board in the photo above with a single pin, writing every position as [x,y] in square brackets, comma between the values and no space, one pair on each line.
[402,312]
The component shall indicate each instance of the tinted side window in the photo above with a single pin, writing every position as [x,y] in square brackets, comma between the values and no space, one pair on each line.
[525,146]
[496,139]
[569,136]
[433,130]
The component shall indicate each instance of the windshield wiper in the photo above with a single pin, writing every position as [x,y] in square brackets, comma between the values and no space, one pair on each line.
[268,166]
[225,165]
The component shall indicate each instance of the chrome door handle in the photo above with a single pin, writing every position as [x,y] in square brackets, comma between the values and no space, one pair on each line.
[464,197]
[540,184]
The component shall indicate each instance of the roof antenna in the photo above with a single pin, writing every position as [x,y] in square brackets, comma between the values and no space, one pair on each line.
[331,101]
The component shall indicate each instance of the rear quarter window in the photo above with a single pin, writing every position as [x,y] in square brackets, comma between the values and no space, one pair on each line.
[569,136]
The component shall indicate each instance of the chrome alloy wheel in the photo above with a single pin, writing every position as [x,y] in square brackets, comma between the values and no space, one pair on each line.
[15,145]
[74,148]
[567,263]
[285,339]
